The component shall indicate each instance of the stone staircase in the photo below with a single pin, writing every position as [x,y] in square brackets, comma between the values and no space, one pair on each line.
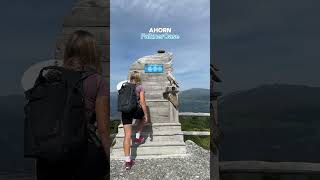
[163,135]
[162,140]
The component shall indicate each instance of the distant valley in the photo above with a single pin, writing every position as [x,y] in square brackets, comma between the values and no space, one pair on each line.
[276,122]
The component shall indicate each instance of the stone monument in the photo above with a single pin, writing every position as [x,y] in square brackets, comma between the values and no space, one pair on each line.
[92,16]
[163,134]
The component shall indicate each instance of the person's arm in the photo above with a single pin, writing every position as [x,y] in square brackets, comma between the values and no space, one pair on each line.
[102,117]
[143,105]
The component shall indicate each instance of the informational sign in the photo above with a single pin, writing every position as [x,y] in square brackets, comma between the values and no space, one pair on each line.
[153,68]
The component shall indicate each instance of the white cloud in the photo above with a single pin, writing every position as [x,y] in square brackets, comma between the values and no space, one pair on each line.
[162,9]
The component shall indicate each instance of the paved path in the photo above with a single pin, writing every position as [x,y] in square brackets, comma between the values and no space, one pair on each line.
[195,166]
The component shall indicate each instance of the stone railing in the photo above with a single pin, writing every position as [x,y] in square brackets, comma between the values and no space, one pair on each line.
[194,114]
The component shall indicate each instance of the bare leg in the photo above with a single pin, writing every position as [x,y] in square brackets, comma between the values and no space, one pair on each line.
[140,125]
[127,139]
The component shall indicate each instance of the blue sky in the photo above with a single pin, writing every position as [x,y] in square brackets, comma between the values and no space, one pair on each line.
[188,18]
[254,42]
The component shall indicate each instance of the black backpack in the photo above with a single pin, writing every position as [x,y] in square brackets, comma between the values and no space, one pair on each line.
[127,98]
[57,127]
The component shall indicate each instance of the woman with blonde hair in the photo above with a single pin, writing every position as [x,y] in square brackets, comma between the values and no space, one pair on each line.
[139,114]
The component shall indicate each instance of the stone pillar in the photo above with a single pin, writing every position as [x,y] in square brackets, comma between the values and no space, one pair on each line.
[92,16]
[164,135]
[215,136]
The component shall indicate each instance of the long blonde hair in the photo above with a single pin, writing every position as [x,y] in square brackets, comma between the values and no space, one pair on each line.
[135,77]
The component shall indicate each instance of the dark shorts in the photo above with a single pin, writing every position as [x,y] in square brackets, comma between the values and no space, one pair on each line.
[127,118]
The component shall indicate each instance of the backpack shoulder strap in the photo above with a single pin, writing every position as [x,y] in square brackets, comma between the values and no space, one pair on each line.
[87,73]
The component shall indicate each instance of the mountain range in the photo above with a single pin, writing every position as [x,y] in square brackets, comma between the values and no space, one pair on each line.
[277,122]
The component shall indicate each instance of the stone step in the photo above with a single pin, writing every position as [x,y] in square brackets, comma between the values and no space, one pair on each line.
[153,127]
[154,104]
[153,137]
[151,152]
[159,111]
[154,96]
[157,115]
[151,85]
[153,156]
[160,106]
[151,133]
[155,83]
[167,141]
[156,127]
[119,144]
[152,81]
[160,149]
[154,93]
[160,77]
[149,143]
[159,119]
[157,91]
[154,89]
[158,102]
[160,87]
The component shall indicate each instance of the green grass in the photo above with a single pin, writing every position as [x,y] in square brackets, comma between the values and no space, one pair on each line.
[202,141]
[114,126]
[195,123]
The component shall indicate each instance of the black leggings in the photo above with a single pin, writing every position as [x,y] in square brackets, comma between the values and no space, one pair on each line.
[94,166]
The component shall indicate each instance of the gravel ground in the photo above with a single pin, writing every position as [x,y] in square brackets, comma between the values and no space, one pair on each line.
[195,166]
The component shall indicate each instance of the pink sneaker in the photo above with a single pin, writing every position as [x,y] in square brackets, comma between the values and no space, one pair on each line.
[139,140]
[129,164]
